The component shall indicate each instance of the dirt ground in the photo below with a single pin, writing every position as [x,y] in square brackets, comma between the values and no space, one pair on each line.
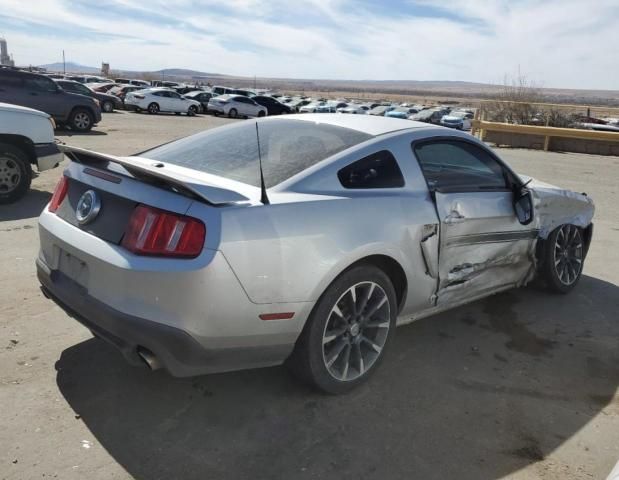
[522,385]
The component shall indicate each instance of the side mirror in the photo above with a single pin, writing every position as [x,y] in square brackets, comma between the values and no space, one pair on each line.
[523,206]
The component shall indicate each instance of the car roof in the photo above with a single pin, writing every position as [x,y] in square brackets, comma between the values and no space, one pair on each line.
[369,124]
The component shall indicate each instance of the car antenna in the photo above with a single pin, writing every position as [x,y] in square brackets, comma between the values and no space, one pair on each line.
[263,189]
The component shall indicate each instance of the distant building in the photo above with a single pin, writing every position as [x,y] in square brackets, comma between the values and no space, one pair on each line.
[105,69]
[5,58]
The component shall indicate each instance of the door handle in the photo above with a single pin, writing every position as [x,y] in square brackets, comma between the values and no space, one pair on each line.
[454,217]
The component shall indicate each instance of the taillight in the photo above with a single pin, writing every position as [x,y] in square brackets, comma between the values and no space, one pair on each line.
[59,193]
[141,97]
[160,233]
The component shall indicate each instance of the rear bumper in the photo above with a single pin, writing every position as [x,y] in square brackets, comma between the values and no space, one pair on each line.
[48,156]
[179,353]
[193,314]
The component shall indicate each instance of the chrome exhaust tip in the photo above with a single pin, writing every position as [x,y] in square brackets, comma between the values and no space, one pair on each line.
[149,358]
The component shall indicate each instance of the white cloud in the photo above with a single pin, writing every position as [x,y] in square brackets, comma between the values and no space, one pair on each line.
[557,43]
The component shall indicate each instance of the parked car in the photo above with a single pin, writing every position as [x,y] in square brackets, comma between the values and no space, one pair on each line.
[160,99]
[311,107]
[401,112]
[304,238]
[26,139]
[200,96]
[107,102]
[236,106]
[103,87]
[459,120]
[42,93]
[297,103]
[245,93]
[217,90]
[122,91]
[128,81]
[355,109]
[272,105]
[430,115]
[87,78]
[380,110]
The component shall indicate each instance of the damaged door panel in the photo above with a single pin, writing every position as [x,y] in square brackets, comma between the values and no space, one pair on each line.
[429,249]
[483,246]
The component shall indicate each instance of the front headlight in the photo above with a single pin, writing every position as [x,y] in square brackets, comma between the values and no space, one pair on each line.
[97,102]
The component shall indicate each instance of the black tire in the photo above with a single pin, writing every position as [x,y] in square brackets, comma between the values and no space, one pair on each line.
[260,114]
[153,108]
[216,114]
[560,271]
[107,107]
[138,110]
[233,113]
[309,358]
[15,173]
[81,120]
[192,111]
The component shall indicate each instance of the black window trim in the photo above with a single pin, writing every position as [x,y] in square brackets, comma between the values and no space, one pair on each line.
[511,178]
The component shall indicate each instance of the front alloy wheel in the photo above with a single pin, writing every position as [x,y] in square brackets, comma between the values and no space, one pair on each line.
[568,254]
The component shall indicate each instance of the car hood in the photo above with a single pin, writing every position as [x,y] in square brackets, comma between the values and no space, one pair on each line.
[9,107]
[556,206]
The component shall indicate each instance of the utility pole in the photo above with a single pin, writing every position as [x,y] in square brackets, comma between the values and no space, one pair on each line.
[64,65]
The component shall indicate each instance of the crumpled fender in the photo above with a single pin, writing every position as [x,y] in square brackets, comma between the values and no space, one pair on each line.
[555,206]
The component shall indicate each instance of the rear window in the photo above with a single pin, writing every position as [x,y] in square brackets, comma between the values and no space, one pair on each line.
[287,148]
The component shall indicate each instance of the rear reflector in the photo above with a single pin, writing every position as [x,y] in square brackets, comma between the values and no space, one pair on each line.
[59,193]
[160,233]
[276,316]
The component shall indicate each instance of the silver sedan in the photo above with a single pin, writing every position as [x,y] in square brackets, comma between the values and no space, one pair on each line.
[303,240]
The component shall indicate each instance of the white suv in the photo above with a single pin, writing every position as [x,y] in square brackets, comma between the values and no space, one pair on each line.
[26,139]
[236,106]
[155,100]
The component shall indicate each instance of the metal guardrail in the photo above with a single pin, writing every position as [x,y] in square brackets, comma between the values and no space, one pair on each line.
[481,126]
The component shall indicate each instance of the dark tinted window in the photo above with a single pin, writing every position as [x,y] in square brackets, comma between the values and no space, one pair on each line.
[454,165]
[39,84]
[379,170]
[287,147]
[9,79]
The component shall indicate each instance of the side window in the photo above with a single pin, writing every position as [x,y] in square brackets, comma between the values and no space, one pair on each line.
[173,95]
[40,84]
[8,80]
[379,170]
[158,94]
[453,165]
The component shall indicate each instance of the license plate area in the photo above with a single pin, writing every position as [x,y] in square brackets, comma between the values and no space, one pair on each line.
[73,267]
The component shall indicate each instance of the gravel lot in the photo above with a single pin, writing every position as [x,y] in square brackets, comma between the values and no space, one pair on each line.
[521,385]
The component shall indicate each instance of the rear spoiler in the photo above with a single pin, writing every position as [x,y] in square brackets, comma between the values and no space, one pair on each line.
[179,177]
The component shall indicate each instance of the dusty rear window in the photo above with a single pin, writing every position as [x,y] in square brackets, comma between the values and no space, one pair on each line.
[287,146]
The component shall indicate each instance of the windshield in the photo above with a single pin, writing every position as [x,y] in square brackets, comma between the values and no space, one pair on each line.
[287,148]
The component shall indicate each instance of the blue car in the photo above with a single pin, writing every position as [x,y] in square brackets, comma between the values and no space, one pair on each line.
[401,112]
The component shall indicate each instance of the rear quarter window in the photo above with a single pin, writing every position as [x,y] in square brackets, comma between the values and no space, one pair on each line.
[379,170]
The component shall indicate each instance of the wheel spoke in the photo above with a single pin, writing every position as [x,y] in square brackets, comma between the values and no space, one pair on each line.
[360,362]
[375,347]
[333,334]
[378,324]
[335,353]
[366,298]
[376,306]
[346,362]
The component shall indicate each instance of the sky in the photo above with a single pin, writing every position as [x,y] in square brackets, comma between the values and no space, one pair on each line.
[554,43]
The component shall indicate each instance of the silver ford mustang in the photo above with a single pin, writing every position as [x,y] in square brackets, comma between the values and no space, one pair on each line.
[303,240]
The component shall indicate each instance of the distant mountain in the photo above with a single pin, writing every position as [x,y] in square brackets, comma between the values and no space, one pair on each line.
[184,72]
[70,67]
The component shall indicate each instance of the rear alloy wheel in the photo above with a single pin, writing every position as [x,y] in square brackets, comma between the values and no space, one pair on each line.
[346,335]
[193,110]
[153,109]
[108,107]
[233,113]
[15,173]
[81,120]
[563,258]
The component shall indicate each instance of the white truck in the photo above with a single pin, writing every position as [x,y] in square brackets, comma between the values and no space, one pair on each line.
[26,139]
